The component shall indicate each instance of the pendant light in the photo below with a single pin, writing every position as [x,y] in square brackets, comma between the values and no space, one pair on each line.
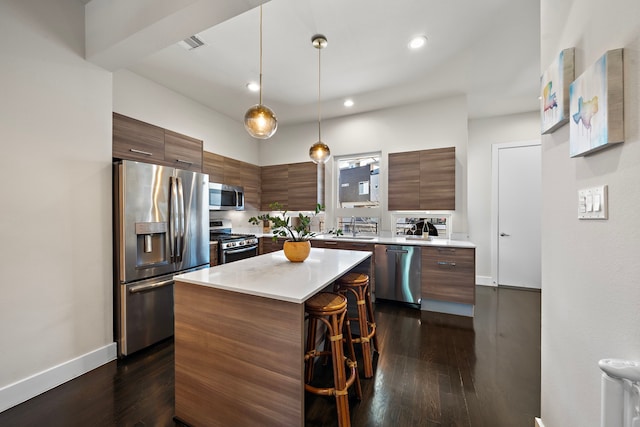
[259,120]
[319,152]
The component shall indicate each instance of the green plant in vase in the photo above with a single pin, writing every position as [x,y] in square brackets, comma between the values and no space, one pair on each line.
[297,246]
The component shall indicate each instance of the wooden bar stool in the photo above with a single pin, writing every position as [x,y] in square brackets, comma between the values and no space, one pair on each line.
[358,285]
[330,309]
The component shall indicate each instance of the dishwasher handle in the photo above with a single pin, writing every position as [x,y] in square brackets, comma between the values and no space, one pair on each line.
[397,251]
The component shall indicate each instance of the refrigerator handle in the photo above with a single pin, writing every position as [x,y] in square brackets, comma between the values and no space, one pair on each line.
[172,218]
[181,221]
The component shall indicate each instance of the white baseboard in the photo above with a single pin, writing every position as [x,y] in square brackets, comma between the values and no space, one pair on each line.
[25,389]
[539,422]
[485,281]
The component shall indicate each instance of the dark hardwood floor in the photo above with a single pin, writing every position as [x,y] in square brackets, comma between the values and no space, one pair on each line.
[432,370]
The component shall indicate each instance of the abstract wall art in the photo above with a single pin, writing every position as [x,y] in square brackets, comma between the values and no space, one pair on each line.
[554,92]
[596,106]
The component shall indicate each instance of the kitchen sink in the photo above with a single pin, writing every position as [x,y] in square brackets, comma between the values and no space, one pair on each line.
[355,237]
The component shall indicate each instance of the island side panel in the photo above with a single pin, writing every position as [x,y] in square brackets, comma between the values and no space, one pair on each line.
[238,358]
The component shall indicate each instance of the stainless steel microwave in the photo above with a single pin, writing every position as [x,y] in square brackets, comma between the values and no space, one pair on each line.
[224,197]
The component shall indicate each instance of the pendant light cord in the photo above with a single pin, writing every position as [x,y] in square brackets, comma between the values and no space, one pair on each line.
[319,111]
[260,83]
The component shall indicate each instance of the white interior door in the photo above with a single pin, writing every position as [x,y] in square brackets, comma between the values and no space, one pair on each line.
[518,222]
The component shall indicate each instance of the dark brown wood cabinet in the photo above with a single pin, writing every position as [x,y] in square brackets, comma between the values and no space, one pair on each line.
[232,171]
[302,186]
[448,274]
[213,254]
[182,151]
[268,245]
[213,164]
[293,185]
[404,181]
[136,140]
[251,175]
[422,180]
[226,170]
[438,179]
[274,183]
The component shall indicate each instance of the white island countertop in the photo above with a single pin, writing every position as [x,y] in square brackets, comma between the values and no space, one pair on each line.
[273,276]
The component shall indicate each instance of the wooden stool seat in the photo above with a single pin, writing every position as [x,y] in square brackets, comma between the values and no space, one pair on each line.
[330,309]
[357,284]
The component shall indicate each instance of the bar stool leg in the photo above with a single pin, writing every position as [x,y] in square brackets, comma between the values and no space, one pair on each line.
[370,315]
[364,334]
[311,341]
[339,375]
[352,356]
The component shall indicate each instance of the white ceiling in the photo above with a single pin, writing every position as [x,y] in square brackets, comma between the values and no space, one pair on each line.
[486,49]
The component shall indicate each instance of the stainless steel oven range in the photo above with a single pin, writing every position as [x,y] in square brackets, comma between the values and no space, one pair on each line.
[231,246]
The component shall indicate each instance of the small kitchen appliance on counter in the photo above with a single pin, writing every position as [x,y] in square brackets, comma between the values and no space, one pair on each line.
[160,230]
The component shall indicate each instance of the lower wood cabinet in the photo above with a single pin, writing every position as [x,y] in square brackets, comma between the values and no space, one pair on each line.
[448,274]
[267,245]
[213,254]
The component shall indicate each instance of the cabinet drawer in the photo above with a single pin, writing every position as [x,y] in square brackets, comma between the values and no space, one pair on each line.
[448,274]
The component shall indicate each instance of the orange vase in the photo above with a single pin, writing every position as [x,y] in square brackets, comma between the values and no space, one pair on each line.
[297,251]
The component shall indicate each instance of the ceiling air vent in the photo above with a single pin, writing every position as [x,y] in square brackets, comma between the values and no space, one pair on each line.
[191,43]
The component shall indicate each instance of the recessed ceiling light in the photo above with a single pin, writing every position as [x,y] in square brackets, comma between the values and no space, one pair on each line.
[417,42]
[253,86]
[348,103]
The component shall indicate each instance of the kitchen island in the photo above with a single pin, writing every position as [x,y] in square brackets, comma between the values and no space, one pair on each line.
[239,337]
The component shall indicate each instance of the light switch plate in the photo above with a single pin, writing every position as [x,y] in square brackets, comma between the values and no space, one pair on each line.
[593,203]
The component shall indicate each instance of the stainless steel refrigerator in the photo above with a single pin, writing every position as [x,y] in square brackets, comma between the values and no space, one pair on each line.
[160,229]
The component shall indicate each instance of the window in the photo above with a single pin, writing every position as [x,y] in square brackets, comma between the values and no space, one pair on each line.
[357,195]
[359,181]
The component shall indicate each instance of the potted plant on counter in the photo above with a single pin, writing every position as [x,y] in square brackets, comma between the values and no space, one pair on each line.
[297,245]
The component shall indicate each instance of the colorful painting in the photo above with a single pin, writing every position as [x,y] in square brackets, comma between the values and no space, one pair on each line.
[554,86]
[596,106]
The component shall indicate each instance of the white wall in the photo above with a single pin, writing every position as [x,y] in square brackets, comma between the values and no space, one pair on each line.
[433,124]
[145,100]
[55,169]
[483,133]
[590,269]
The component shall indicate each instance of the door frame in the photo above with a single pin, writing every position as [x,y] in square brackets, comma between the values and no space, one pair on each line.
[494,199]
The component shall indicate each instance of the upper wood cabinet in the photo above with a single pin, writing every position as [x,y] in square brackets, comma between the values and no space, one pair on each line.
[251,175]
[438,179]
[213,164]
[274,184]
[232,171]
[182,151]
[422,180]
[294,185]
[226,170]
[404,181]
[302,186]
[136,140]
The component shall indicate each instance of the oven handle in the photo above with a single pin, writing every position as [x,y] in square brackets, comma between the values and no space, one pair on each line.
[245,249]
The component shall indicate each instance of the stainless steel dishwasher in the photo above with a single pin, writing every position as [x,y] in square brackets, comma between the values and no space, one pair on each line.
[398,274]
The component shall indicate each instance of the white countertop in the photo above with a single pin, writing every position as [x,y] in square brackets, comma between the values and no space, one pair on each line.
[273,276]
[416,241]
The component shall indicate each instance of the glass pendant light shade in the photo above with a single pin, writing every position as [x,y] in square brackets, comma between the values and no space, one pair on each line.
[319,152]
[260,122]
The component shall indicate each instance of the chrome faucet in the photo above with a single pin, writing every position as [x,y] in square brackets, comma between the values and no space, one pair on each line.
[353,226]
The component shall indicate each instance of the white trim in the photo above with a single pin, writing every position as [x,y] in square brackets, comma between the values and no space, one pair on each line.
[485,281]
[27,388]
[494,198]
[539,422]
